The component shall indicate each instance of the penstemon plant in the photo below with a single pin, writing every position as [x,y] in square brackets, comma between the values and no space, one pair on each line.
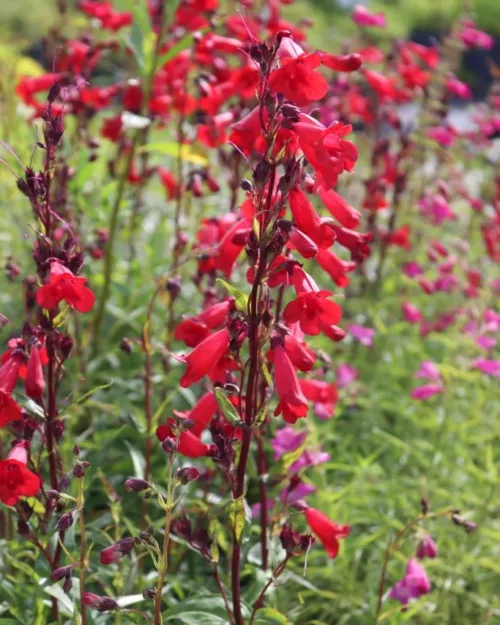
[249,132]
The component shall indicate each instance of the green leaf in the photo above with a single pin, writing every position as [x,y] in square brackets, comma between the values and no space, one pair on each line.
[137,459]
[176,49]
[227,408]
[201,610]
[270,616]
[237,517]
[240,297]
[188,153]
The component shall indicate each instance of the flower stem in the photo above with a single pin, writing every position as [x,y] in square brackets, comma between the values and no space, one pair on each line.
[163,562]
[80,501]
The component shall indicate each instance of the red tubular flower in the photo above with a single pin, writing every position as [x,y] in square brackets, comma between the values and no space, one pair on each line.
[311,308]
[348,216]
[299,353]
[228,251]
[304,245]
[342,62]
[355,242]
[292,402]
[112,128]
[34,382]
[201,413]
[169,183]
[193,330]
[16,480]
[188,444]
[400,237]
[27,87]
[335,267]
[382,85]
[12,361]
[319,391]
[326,149]
[326,530]
[63,285]
[204,357]
[9,410]
[297,80]
[308,221]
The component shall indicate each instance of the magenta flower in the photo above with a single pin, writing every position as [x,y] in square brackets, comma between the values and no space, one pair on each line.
[436,208]
[490,367]
[309,459]
[444,135]
[411,313]
[492,320]
[362,334]
[413,585]
[363,17]
[346,375]
[429,371]
[472,37]
[486,342]
[287,439]
[427,548]
[426,391]
[412,269]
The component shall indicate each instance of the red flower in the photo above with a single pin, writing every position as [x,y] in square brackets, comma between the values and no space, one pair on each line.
[201,413]
[342,62]
[9,410]
[63,285]
[34,382]
[319,392]
[16,480]
[356,242]
[400,237]
[335,267]
[299,353]
[112,127]
[204,357]
[327,531]
[304,245]
[292,402]
[311,308]
[340,208]
[12,361]
[193,330]
[326,149]
[188,444]
[308,221]
[297,80]
[169,182]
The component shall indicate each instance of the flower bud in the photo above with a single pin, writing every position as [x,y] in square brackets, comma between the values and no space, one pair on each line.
[65,522]
[115,552]
[168,444]
[61,573]
[187,474]
[101,604]
[427,548]
[136,485]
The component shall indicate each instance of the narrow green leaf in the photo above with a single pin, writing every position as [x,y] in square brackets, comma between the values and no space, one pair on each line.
[270,616]
[227,408]
[240,297]
[237,517]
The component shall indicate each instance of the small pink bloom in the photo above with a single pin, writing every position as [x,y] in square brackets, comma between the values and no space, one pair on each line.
[427,390]
[346,375]
[429,371]
[490,367]
[411,313]
[362,334]
[363,17]
[414,584]
[427,548]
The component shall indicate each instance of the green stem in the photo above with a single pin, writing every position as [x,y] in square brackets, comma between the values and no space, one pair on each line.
[163,562]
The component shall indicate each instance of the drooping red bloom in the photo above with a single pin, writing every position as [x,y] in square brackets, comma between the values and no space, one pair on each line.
[355,242]
[400,237]
[106,14]
[304,245]
[326,149]
[188,444]
[193,330]
[292,402]
[12,361]
[335,267]
[311,308]
[28,86]
[299,353]
[34,382]
[308,220]
[297,80]
[348,216]
[116,552]
[112,128]
[16,480]
[63,285]
[342,62]
[319,391]
[204,357]
[201,413]
[326,530]
[9,410]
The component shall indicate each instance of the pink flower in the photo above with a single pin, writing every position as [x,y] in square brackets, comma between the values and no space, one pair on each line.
[362,334]
[412,269]
[490,367]
[429,371]
[346,375]
[458,88]
[414,584]
[363,17]
[411,313]
[427,548]
[444,135]
[426,391]
[474,38]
